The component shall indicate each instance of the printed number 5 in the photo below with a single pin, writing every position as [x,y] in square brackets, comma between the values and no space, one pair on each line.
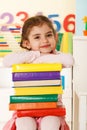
[55,21]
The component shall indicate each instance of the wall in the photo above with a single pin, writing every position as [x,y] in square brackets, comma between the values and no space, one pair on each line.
[81,11]
[59,10]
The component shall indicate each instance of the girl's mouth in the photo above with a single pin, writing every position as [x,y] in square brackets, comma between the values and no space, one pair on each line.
[45,46]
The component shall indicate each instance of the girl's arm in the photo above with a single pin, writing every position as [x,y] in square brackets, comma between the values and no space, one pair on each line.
[20,57]
[65,59]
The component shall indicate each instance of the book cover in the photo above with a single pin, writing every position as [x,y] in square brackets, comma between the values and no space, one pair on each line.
[40,67]
[38,90]
[37,83]
[34,98]
[24,76]
[26,106]
[60,111]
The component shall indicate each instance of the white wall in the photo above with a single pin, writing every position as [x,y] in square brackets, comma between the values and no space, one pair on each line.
[81,11]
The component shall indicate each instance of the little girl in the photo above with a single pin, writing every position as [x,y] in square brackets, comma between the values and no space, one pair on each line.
[39,39]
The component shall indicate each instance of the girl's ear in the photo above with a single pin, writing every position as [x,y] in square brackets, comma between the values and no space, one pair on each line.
[26,44]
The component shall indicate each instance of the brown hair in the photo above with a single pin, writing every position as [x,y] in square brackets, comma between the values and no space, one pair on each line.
[34,21]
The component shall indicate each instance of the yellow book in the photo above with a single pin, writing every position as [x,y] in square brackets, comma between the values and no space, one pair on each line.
[38,90]
[67,43]
[40,67]
[64,43]
[70,42]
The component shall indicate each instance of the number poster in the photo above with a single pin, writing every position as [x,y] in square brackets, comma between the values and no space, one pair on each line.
[13,13]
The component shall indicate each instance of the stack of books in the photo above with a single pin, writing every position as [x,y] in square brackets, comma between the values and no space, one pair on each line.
[36,89]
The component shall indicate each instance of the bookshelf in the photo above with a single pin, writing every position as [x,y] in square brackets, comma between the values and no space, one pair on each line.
[80,83]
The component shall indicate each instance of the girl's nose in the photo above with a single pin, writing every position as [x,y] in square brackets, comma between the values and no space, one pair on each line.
[44,39]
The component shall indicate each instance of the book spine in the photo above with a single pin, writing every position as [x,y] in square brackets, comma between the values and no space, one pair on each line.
[24,76]
[34,98]
[26,106]
[38,90]
[36,67]
[37,83]
[60,111]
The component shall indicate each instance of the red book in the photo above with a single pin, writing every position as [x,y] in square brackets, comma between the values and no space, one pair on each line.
[59,111]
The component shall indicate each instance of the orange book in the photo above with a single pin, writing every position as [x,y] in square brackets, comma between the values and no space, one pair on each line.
[26,106]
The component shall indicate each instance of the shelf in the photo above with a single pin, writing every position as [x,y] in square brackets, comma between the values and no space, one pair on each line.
[79,37]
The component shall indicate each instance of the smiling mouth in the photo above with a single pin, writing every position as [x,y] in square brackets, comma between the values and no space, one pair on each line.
[44,46]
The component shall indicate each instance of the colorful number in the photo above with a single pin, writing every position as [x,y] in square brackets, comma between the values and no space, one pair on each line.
[67,23]
[9,21]
[39,13]
[25,16]
[55,21]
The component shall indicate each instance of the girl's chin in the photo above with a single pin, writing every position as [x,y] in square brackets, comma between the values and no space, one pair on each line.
[46,52]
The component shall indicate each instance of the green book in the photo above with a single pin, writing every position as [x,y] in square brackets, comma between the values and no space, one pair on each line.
[34,98]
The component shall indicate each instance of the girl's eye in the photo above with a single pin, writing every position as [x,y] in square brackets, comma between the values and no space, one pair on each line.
[49,35]
[37,37]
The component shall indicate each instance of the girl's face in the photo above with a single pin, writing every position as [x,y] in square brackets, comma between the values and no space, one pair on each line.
[41,38]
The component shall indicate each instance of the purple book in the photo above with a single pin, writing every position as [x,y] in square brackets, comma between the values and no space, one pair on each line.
[25,76]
